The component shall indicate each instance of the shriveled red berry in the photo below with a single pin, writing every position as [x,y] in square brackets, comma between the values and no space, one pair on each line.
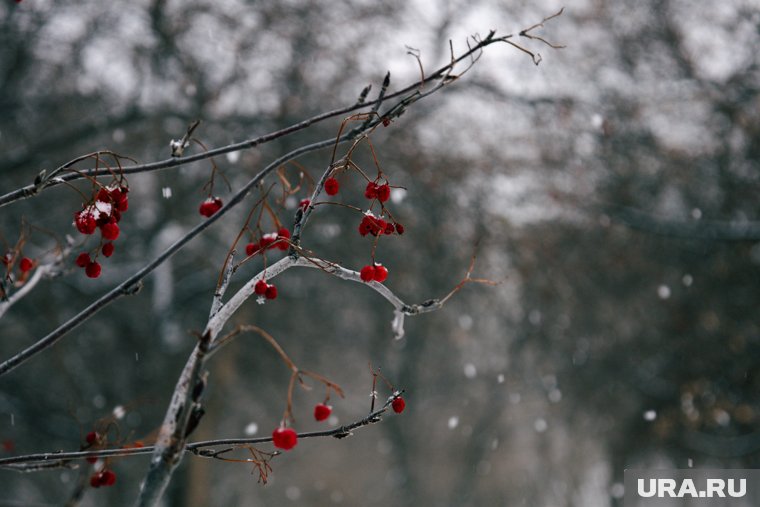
[251,248]
[367,274]
[26,264]
[271,292]
[322,411]
[110,231]
[91,438]
[399,228]
[383,192]
[370,192]
[83,259]
[331,186]
[284,438]
[381,273]
[85,222]
[92,270]
[107,249]
[260,288]
[398,405]
[389,229]
[210,206]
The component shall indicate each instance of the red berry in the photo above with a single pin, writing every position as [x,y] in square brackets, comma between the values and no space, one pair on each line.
[210,206]
[389,229]
[331,186]
[398,405]
[93,269]
[371,191]
[107,249]
[26,265]
[110,231]
[381,273]
[281,243]
[322,411]
[85,222]
[251,248]
[304,204]
[367,274]
[271,292]
[95,480]
[399,228]
[383,193]
[284,438]
[386,122]
[108,478]
[267,240]
[103,195]
[91,437]
[83,259]
[260,288]
[91,459]
[122,202]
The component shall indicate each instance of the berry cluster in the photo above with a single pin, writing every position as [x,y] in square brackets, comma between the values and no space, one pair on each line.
[210,206]
[269,241]
[105,477]
[103,212]
[267,290]
[380,192]
[376,272]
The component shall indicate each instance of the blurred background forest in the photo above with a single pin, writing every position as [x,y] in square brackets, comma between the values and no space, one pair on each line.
[613,188]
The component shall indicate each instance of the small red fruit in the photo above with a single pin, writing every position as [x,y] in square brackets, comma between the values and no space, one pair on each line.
[389,229]
[93,269]
[399,228]
[322,411]
[26,265]
[108,478]
[260,288]
[107,249]
[281,243]
[331,186]
[251,248]
[383,193]
[271,292]
[371,191]
[304,204]
[83,259]
[398,405]
[284,438]
[91,437]
[110,231]
[381,273]
[85,222]
[210,206]
[95,480]
[91,459]
[367,274]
